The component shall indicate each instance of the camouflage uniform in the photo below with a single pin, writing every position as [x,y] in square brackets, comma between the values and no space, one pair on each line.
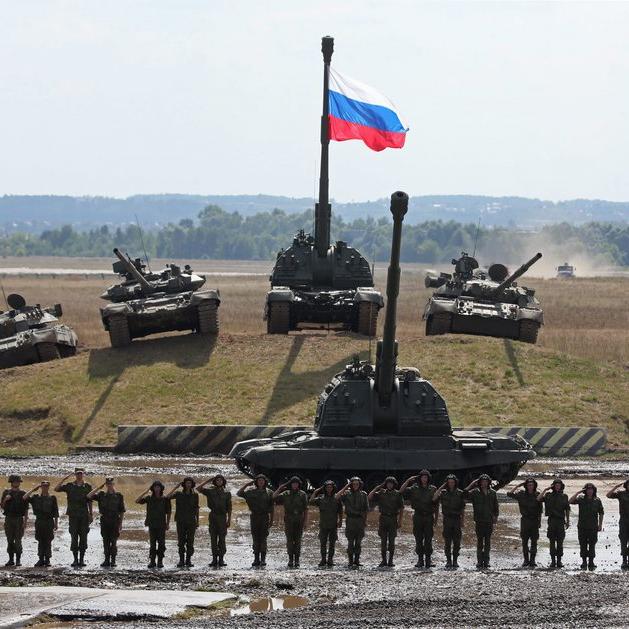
[356,507]
[623,524]
[219,502]
[78,516]
[530,521]
[421,500]
[589,511]
[260,503]
[110,507]
[330,510]
[186,519]
[556,506]
[452,509]
[485,505]
[45,510]
[157,510]
[14,510]
[295,506]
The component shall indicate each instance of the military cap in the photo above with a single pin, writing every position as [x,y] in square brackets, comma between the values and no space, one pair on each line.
[391,479]
[220,476]
[484,477]
[294,479]
[591,486]
[109,479]
[358,478]
[452,477]
[189,478]
[15,478]
[157,483]
[329,482]
[558,480]
[425,473]
[530,479]
[257,477]
[79,470]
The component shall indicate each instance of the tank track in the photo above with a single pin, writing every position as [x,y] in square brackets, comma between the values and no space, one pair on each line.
[440,323]
[47,352]
[367,319]
[207,313]
[119,334]
[278,318]
[528,331]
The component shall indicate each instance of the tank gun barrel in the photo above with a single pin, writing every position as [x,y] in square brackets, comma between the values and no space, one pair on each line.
[387,348]
[517,273]
[126,261]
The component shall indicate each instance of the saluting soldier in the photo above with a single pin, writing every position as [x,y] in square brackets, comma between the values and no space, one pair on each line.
[158,511]
[79,512]
[15,518]
[590,522]
[111,508]
[531,518]
[453,512]
[46,512]
[259,499]
[558,513]
[356,507]
[391,506]
[186,518]
[420,493]
[485,505]
[295,503]
[330,520]
[219,502]
[622,495]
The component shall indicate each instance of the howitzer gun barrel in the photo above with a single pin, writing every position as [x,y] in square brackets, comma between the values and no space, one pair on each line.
[387,350]
[518,273]
[144,283]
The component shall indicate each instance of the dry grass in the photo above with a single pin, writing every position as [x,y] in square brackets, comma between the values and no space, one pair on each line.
[576,376]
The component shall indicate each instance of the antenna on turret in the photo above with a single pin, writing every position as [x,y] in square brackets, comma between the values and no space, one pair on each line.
[476,237]
[146,256]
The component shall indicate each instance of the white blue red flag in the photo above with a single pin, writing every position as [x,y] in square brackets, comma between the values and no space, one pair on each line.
[359,112]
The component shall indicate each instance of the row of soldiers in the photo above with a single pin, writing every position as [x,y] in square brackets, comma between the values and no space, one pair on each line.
[333,503]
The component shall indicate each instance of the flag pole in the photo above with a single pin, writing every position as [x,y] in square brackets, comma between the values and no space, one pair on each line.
[323,209]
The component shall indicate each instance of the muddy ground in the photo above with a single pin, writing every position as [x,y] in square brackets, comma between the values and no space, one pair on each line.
[400,597]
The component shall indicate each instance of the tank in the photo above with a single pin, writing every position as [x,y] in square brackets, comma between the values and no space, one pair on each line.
[32,334]
[315,283]
[565,271]
[382,419]
[144,302]
[490,303]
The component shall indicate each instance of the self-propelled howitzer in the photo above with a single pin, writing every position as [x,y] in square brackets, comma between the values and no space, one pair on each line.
[383,419]
[146,303]
[315,283]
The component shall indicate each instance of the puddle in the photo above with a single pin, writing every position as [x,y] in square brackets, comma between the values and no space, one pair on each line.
[270,604]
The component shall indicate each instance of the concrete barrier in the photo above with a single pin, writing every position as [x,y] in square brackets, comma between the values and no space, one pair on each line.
[204,439]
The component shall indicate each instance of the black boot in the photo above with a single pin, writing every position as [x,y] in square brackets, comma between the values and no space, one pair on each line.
[429,563]
[357,559]
[448,560]
[291,562]
[112,560]
[553,562]
[47,561]
[390,563]
[383,563]
[75,563]
[214,562]
[41,562]
[331,557]
[527,560]
[256,560]
[262,560]
[591,564]
[455,561]
[182,560]
[296,559]
[189,563]
[324,552]
[221,561]
[625,562]
[160,561]
[584,564]
[350,559]
[82,559]
[18,557]
[10,562]
[107,562]
[559,562]
[420,561]
[532,562]
[152,560]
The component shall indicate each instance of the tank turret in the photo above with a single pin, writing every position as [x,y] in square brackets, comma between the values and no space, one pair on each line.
[132,270]
[519,272]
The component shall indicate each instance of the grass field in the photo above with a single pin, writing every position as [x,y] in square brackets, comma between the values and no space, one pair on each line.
[577,375]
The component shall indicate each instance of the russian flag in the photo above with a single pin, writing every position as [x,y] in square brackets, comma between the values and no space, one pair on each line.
[359,112]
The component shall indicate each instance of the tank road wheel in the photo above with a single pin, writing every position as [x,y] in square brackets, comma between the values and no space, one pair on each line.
[528,331]
[440,323]
[67,350]
[47,351]
[367,319]
[278,318]
[119,334]
[207,313]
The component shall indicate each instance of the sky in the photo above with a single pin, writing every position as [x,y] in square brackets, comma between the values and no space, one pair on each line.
[224,97]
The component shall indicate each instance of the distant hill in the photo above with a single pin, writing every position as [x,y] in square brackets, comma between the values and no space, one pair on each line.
[36,213]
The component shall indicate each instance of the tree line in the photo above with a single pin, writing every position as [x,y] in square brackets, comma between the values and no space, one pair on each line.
[217,234]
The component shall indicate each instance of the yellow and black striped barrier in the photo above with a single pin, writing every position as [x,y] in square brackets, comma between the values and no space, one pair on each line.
[204,439]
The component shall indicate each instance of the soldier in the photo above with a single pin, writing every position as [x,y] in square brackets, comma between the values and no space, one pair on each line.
[186,518]
[295,504]
[558,514]
[260,503]
[453,512]
[391,506]
[485,504]
[420,495]
[79,512]
[46,513]
[623,526]
[15,518]
[330,519]
[531,518]
[219,502]
[590,522]
[356,506]
[111,508]
[158,512]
